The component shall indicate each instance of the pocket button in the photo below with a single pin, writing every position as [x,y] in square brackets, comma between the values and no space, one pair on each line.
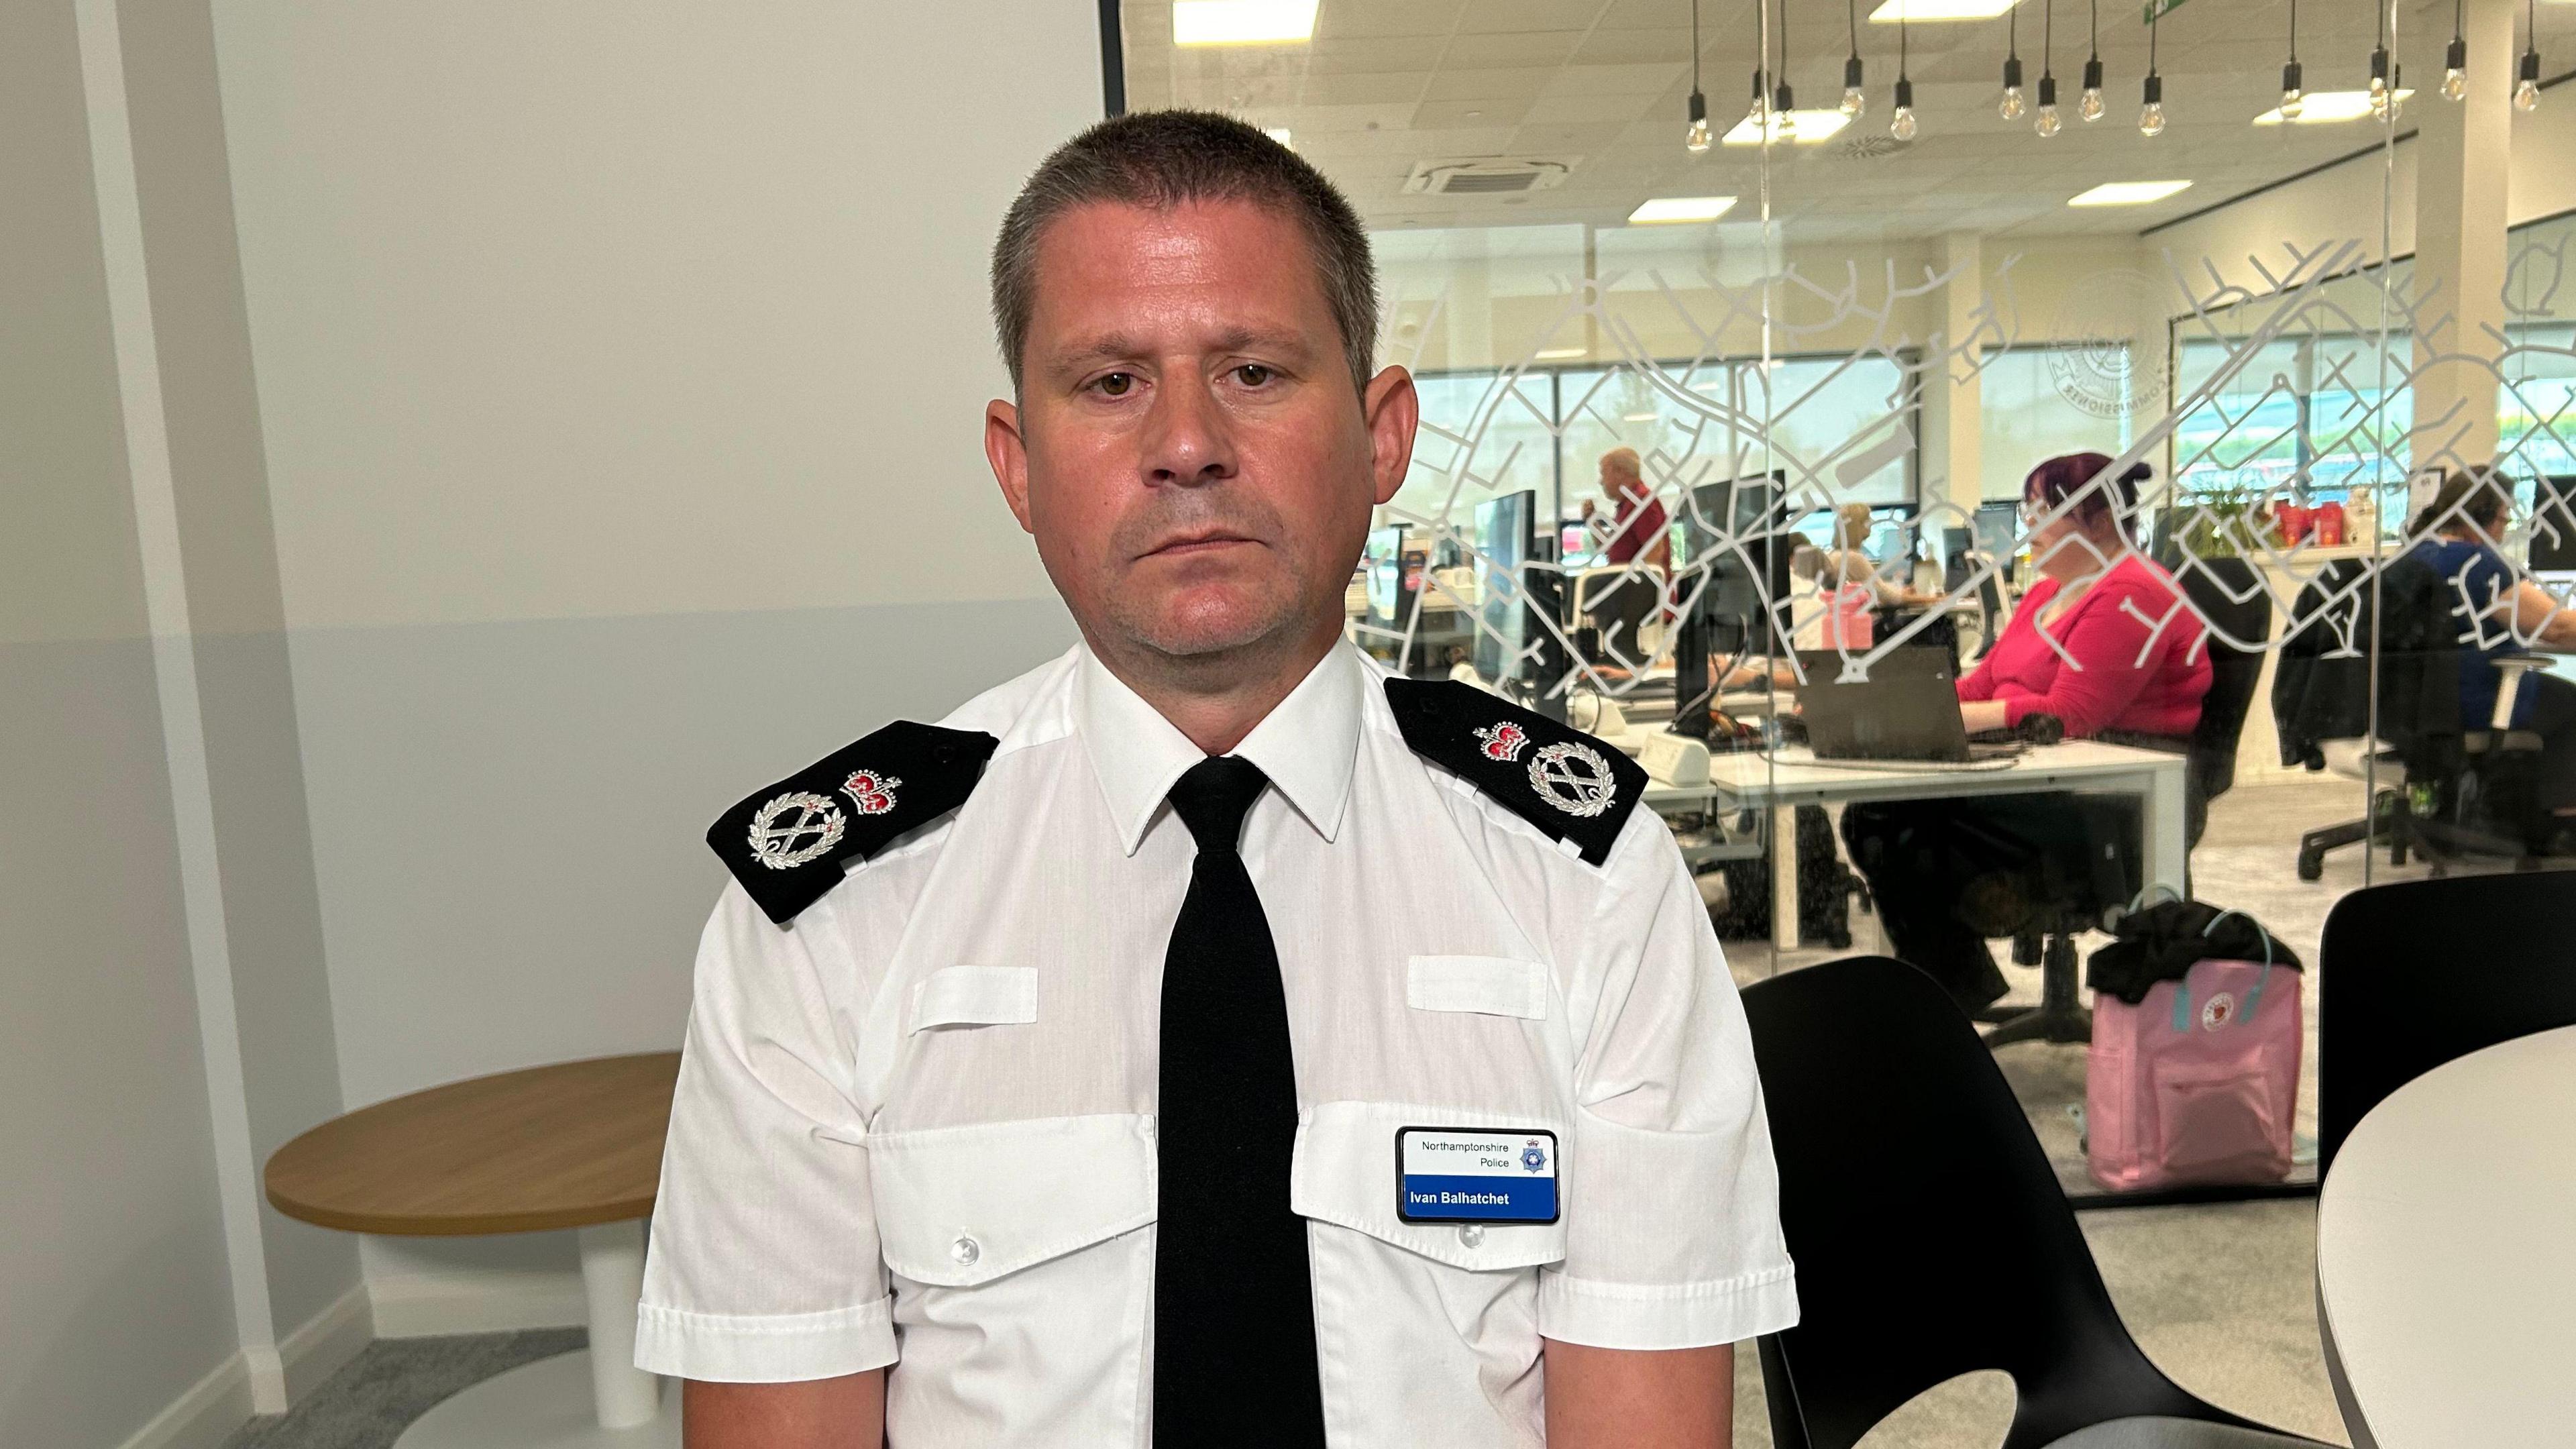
[965,1251]
[1472,1235]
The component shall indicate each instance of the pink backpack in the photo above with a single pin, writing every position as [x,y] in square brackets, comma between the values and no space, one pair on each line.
[2197,1084]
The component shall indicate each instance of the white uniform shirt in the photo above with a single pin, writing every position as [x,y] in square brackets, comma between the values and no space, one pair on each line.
[917,1124]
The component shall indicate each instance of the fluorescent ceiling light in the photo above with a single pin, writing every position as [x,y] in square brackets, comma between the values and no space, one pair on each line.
[2324,107]
[1919,11]
[1636,417]
[1280,135]
[1242,22]
[1681,208]
[2128,193]
[1806,128]
[1559,354]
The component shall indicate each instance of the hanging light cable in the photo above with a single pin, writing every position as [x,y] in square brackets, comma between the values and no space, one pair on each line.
[2047,124]
[1696,138]
[1784,104]
[2380,104]
[1855,100]
[2294,96]
[1902,126]
[2455,61]
[2151,116]
[2012,105]
[2526,85]
[2089,105]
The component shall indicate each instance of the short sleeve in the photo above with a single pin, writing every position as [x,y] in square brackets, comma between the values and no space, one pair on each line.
[1672,1210]
[764,1263]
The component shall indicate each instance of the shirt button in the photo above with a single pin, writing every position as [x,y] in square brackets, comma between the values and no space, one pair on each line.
[1472,1235]
[965,1251]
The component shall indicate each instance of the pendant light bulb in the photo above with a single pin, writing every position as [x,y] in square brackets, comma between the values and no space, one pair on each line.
[2151,116]
[1697,137]
[2013,103]
[1855,100]
[2455,70]
[1902,125]
[2048,123]
[2089,105]
[2526,85]
[2294,99]
[2379,83]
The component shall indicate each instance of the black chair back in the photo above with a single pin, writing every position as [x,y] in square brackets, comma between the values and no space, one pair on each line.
[2226,594]
[1620,610]
[1930,1235]
[2424,971]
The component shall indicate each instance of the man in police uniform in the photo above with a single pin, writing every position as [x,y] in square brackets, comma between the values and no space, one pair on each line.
[1207,1038]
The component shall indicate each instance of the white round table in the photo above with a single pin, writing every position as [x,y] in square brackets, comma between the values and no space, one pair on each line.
[2446,1255]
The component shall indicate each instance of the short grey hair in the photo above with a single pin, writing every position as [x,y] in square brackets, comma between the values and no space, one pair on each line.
[1163,159]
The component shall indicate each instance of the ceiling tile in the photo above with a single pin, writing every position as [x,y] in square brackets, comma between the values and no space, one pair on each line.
[1499,17]
[1586,109]
[1498,111]
[1464,85]
[1644,80]
[1361,90]
[1536,47]
[1339,19]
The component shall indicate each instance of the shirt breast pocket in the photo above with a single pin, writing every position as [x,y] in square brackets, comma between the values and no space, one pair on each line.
[973,996]
[1484,985]
[1017,1259]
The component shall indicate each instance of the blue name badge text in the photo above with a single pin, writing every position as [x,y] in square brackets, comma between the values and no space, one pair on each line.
[1475,1175]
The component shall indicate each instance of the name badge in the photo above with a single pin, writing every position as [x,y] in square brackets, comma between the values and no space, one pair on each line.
[1475,1175]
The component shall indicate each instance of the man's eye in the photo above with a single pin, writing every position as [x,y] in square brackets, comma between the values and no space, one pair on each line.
[1253,374]
[1116,384]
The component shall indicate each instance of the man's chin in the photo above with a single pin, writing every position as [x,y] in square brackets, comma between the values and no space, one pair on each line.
[1209,629]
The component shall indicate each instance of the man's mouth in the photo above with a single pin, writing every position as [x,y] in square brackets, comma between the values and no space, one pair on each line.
[1192,543]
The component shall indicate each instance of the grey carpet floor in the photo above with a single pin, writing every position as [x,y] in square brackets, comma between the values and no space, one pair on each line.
[375,1396]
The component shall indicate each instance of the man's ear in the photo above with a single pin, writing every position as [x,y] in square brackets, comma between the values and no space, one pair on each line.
[1008,452]
[1392,411]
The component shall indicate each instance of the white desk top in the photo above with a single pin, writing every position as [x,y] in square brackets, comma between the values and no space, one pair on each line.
[2446,1251]
[1793,777]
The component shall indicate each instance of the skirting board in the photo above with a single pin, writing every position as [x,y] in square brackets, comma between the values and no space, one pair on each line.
[423,1305]
[220,1403]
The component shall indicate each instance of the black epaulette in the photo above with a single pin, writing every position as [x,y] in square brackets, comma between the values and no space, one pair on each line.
[1565,782]
[786,843]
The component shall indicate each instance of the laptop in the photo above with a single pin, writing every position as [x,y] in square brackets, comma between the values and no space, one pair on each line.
[1907,711]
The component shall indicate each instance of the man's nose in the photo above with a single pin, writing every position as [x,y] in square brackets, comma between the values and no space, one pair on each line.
[1186,440]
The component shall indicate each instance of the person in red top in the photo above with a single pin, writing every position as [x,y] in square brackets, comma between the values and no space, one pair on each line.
[1637,523]
[2105,646]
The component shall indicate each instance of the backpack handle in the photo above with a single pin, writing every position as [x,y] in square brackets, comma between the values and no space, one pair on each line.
[2253,998]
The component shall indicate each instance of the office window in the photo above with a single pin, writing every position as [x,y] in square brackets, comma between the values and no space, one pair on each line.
[2029,410]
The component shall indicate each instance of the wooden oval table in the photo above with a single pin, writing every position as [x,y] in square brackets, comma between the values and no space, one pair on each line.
[575,1145]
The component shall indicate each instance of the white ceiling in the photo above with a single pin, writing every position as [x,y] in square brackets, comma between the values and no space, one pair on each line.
[1387,83]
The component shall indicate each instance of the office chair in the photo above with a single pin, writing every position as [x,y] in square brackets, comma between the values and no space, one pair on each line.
[2225,593]
[1619,603]
[2428,970]
[1902,1154]
[2454,787]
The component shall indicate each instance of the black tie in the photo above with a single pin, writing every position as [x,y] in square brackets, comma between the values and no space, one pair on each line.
[1234,1317]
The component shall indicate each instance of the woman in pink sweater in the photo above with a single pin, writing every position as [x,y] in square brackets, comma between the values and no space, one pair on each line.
[2105,645]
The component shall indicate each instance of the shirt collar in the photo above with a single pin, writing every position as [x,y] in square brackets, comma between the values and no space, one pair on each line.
[1307,745]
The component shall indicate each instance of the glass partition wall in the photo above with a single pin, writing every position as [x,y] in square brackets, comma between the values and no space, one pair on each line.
[2285,328]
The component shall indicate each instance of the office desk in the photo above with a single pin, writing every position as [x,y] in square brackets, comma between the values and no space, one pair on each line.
[2446,1274]
[1752,782]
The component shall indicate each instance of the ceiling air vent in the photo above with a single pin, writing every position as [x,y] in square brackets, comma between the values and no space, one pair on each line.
[1488,176]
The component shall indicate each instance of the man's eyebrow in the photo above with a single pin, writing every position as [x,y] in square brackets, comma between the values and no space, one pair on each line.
[1123,347]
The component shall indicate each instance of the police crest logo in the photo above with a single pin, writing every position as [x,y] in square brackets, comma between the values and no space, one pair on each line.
[1574,779]
[1534,1156]
[871,792]
[794,829]
[1503,741]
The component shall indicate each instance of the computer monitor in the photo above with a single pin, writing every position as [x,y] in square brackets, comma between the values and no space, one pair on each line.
[1740,572]
[2553,525]
[1998,527]
[1504,542]
[1388,598]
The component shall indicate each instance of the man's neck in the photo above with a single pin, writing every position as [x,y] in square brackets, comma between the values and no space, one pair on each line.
[1217,699]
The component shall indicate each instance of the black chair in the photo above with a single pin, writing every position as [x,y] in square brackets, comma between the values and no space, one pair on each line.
[1900,1147]
[2225,593]
[2428,970]
[2452,787]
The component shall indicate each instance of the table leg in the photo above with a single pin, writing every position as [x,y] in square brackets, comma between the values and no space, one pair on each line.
[2166,820]
[612,1279]
[1784,877]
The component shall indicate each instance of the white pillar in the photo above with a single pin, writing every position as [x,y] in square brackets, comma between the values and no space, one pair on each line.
[1953,462]
[612,1281]
[2461,158]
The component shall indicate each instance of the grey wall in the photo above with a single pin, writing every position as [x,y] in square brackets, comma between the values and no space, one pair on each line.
[114,1297]
[620,372]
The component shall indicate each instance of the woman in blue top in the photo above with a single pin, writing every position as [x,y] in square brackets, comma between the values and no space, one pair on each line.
[2501,612]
